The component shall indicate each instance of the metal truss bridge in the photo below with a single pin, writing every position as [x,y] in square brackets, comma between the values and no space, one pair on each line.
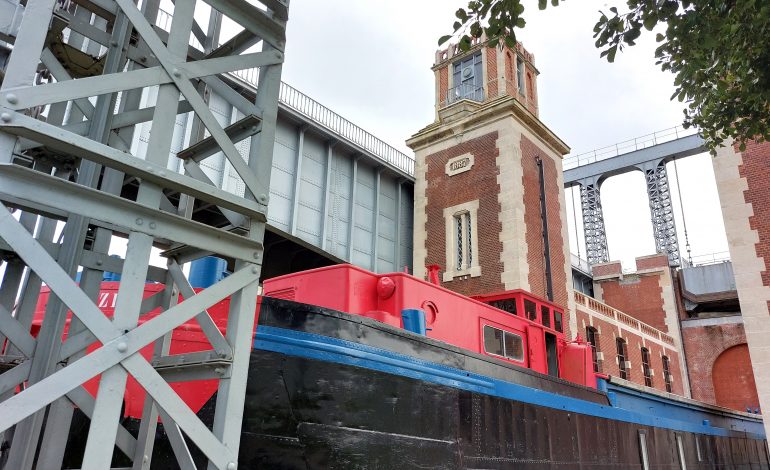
[119,119]
[648,154]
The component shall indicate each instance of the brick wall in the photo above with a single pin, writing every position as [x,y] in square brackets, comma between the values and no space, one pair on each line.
[734,385]
[756,171]
[534,225]
[639,296]
[644,263]
[443,83]
[608,331]
[613,268]
[510,73]
[491,68]
[705,345]
[478,183]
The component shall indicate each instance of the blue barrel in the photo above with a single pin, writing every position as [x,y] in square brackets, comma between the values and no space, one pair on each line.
[414,320]
[207,271]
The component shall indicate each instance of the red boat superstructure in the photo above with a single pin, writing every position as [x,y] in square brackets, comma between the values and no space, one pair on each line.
[513,326]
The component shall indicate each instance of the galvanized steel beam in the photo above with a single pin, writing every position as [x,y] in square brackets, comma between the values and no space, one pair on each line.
[90,134]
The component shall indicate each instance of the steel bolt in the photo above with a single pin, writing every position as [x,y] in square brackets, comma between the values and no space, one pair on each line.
[262,198]
[231,466]
[254,129]
[255,270]
[153,225]
[122,347]
[139,221]
[99,262]
[6,117]
[162,174]
[176,73]
[11,98]
[256,255]
[113,43]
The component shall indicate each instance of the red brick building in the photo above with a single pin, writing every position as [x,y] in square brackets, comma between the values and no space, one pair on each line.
[489,209]
[479,171]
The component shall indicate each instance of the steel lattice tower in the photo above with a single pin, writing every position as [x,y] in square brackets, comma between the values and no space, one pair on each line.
[70,101]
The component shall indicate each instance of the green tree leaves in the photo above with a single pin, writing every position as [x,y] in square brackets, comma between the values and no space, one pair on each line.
[718,50]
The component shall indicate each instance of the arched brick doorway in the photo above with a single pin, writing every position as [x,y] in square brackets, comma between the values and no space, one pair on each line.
[734,380]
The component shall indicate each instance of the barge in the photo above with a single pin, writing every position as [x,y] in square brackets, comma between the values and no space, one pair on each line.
[353,370]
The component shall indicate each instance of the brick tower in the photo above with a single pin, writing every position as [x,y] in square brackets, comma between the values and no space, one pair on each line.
[489,199]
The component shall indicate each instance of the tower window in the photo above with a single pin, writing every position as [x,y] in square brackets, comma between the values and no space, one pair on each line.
[462,236]
[622,358]
[646,367]
[593,339]
[520,74]
[467,79]
[667,373]
[463,241]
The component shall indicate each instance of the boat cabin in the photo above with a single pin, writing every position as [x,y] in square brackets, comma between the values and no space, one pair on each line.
[513,326]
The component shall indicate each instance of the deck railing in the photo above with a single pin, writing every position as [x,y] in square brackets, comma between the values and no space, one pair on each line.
[631,145]
[318,113]
[605,310]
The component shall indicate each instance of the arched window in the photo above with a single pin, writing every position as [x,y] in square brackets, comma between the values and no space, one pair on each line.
[592,336]
[646,367]
[623,364]
[667,373]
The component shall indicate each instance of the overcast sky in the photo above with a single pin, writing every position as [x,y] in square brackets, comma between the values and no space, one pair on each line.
[370,61]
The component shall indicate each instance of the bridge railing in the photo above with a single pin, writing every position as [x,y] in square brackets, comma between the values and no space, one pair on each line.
[307,106]
[318,113]
[637,143]
[708,258]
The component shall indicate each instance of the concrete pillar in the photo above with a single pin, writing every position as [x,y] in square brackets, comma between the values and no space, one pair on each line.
[593,222]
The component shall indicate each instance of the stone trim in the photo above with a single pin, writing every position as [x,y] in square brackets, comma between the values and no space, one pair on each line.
[474,270]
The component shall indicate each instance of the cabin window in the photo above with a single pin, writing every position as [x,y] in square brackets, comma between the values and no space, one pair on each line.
[667,373]
[593,339]
[557,322]
[622,358]
[545,313]
[530,309]
[506,305]
[503,343]
[461,233]
[646,367]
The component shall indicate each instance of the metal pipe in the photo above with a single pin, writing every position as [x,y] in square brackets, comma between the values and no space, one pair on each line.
[546,241]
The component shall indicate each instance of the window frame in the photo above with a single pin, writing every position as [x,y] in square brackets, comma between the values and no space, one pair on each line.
[591,337]
[520,73]
[517,359]
[667,373]
[462,257]
[646,369]
[621,346]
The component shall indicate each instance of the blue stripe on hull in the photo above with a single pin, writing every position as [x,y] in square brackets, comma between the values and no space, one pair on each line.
[324,348]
